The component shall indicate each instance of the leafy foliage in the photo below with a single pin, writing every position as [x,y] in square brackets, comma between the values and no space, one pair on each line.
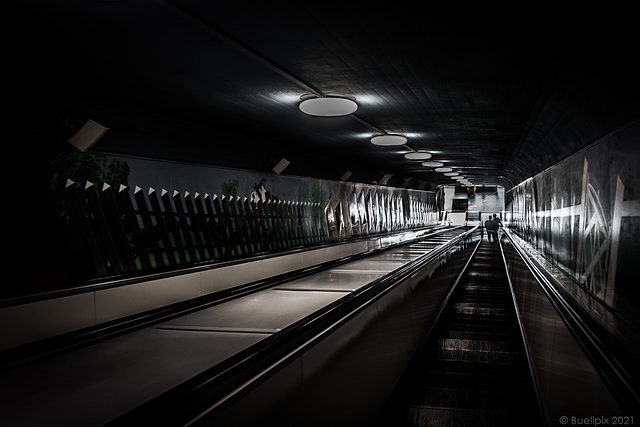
[230,188]
[314,193]
[81,167]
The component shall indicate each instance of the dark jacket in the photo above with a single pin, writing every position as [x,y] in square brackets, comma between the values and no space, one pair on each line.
[491,225]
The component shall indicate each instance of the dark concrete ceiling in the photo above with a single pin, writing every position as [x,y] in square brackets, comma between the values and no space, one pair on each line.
[494,94]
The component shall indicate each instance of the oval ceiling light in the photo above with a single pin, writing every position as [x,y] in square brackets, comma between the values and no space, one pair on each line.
[388,140]
[432,164]
[330,106]
[451,173]
[443,169]
[419,155]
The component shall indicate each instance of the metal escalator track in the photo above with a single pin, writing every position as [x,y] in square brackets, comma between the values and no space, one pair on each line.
[472,370]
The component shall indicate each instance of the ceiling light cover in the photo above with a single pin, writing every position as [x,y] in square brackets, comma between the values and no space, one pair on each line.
[389,140]
[420,155]
[432,164]
[328,107]
[443,169]
[451,173]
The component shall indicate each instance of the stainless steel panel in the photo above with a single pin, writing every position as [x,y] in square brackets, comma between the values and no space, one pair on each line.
[353,275]
[277,398]
[376,265]
[399,335]
[93,385]
[568,383]
[341,375]
[270,309]
[339,280]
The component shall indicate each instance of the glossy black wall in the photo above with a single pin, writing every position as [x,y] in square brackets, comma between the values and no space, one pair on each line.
[583,215]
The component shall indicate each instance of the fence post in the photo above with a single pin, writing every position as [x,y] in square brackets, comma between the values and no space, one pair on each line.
[134,226]
[231,225]
[172,224]
[103,228]
[184,226]
[254,226]
[206,230]
[299,213]
[199,245]
[263,221]
[149,231]
[85,228]
[214,227]
[161,224]
[239,229]
[117,221]
[223,227]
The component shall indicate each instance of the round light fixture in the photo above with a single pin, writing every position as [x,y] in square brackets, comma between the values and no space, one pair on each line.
[432,164]
[451,173]
[443,169]
[388,140]
[330,106]
[419,155]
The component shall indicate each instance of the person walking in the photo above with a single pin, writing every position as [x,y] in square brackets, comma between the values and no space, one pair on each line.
[492,228]
[498,220]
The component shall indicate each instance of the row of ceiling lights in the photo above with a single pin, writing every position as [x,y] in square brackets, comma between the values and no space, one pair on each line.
[333,106]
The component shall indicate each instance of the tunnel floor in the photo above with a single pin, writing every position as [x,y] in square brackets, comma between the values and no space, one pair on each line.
[473,369]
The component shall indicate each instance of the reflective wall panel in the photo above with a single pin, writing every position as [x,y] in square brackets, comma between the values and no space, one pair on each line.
[583,215]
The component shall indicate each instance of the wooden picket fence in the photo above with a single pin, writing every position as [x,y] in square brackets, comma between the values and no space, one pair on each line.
[127,231]
[100,231]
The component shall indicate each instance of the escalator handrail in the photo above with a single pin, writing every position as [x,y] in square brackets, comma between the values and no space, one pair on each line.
[614,375]
[523,335]
[214,388]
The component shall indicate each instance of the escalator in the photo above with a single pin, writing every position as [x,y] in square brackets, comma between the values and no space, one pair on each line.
[205,361]
[472,369]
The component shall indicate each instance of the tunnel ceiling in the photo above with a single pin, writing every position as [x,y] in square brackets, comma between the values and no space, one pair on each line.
[496,95]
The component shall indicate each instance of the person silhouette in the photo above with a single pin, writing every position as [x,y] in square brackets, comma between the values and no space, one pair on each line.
[498,220]
[492,226]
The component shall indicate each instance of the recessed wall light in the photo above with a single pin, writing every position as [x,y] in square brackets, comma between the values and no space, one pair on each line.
[330,106]
[419,155]
[388,140]
[432,164]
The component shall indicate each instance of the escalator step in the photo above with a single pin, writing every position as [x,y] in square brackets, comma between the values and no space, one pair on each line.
[473,370]
[491,376]
[473,399]
[427,416]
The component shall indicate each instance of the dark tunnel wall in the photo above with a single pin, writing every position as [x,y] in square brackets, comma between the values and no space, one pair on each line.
[583,215]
